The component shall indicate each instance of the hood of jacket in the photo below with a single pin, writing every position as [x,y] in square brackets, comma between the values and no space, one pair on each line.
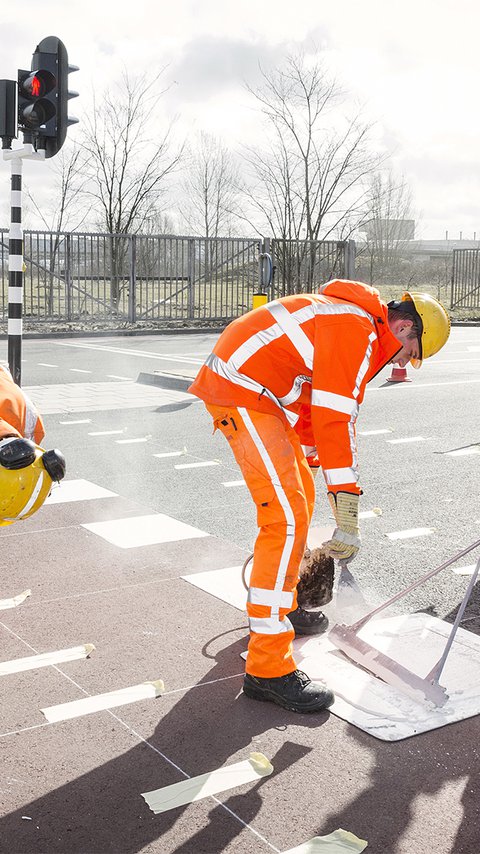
[368,298]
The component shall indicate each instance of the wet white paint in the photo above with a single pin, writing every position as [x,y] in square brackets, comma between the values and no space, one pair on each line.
[230,483]
[77,490]
[132,441]
[101,702]
[406,440]
[198,465]
[78,421]
[170,454]
[105,432]
[409,533]
[46,365]
[374,432]
[136,531]
[79,371]
[45,659]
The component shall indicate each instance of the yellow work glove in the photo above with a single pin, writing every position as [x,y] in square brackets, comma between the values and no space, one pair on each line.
[345,541]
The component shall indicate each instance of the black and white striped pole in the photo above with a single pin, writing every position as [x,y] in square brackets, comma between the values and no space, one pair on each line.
[15,258]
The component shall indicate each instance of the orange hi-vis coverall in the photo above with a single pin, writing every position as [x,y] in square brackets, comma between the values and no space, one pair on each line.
[18,415]
[292,373]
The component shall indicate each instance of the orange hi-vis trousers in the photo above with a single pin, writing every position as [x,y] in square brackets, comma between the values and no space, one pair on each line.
[278,477]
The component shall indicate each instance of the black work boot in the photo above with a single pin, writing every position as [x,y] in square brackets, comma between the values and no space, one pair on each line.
[294,692]
[308,622]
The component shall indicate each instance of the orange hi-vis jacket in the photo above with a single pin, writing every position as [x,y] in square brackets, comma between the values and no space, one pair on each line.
[18,415]
[306,358]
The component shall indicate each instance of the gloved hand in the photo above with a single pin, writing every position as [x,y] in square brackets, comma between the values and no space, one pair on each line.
[345,541]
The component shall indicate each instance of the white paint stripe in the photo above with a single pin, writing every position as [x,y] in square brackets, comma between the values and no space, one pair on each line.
[338,842]
[105,432]
[15,600]
[170,454]
[16,198]
[46,365]
[464,570]
[421,385]
[132,441]
[229,483]
[139,353]
[45,659]
[15,326]
[408,439]
[79,421]
[138,531]
[101,702]
[15,231]
[198,465]
[186,791]
[77,490]
[79,371]
[411,532]
[370,514]
[15,294]
[374,432]
[15,263]
[116,377]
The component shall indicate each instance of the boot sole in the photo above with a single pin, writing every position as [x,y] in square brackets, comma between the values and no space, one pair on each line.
[270,697]
[309,630]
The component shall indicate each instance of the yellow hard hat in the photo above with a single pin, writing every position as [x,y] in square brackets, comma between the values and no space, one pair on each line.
[25,481]
[435,324]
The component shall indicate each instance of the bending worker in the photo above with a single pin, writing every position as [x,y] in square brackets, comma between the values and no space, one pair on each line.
[292,373]
[26,470]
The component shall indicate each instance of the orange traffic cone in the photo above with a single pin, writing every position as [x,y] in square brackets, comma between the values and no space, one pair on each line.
[398,375]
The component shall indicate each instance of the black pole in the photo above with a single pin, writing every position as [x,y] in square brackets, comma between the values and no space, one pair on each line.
[15,274]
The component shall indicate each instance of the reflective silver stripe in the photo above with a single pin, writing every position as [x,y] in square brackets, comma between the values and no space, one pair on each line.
[253,344]
[271,598]
[282,498]
[337,402]
[309,450]
[353,444]
[270,625]
[365,364]
[290,325]
[295,390]
[347,308]
[223,369]
[31,417]
[333,477]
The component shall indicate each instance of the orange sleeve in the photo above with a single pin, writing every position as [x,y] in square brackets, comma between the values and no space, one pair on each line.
[342,350]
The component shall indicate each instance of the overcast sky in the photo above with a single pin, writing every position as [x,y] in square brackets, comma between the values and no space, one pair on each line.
[413,65]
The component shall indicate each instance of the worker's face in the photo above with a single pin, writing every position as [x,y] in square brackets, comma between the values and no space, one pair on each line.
[401,328]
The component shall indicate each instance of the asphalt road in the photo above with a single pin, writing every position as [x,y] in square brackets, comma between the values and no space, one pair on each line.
[75,786]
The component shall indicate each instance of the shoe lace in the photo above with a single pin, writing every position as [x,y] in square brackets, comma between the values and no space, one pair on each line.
[300,676]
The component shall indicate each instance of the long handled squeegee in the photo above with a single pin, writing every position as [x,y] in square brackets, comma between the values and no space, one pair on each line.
[346,639]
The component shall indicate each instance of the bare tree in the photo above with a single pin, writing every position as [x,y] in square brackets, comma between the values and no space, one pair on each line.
[126,169]
[310,178]
[389,226]
[64,210]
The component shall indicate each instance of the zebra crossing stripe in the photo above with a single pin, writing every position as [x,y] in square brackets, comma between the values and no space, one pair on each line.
[102,702]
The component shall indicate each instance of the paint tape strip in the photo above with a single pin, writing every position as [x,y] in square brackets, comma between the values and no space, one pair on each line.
[187,791]
[101,702]
[15,600]
[45,659]
[338,842]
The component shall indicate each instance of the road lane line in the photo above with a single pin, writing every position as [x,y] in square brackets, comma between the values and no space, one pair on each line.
[410,532]
[198,465]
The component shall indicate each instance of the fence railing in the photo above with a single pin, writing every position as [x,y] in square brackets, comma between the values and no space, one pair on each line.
[465,291]
[83,277]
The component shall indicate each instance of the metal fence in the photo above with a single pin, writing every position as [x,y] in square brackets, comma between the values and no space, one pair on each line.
[80,277]
[465,291]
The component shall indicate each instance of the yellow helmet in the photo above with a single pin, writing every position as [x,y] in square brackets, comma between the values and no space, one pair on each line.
[435,324]
[26,475]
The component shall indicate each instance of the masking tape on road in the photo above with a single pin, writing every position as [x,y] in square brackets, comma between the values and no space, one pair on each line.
[102,702]
[338,842]
[187,791]
[45,659]
[15,600]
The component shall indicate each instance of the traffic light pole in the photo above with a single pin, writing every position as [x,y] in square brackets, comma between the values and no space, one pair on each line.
[15,257]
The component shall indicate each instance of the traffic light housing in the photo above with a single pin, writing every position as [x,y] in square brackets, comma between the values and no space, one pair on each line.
[43,97]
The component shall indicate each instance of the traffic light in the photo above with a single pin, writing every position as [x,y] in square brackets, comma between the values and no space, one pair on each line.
[43,97]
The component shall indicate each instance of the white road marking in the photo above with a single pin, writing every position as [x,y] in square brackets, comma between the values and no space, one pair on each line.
[46,365]
[135,531]
[197,465]
[408,439]
[79,371]
[14,601]
[101,702]
[45,659]
[464,570]
[116,377]
[370,514]
[411,532]
[234,483]
[105,432]
[79,421]
[132,441]
[143,354]
[77,490]
[170,454]
[422,385]
[374,432]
